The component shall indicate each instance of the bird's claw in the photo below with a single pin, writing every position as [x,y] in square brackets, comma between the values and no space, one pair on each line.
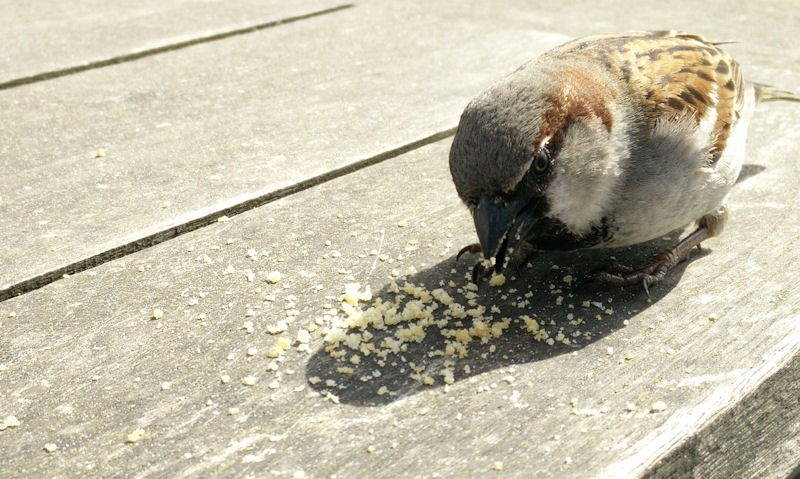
[479,271]
[474,248]
[619,275]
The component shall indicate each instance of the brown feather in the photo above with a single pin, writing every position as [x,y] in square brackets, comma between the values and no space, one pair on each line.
[670,74]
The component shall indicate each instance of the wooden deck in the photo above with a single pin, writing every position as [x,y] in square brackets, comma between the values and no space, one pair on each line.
[159,163]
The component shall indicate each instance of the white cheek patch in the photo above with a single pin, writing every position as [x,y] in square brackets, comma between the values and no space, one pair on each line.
[587,172]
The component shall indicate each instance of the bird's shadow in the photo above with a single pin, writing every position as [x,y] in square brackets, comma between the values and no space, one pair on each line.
[364,375]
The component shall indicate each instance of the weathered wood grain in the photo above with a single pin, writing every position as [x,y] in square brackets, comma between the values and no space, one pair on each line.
[84,363]
[195,131]
[49,37]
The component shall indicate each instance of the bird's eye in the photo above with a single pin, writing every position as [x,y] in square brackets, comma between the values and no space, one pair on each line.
[541,162]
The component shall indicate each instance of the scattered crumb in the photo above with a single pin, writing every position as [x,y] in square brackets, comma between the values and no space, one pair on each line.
[273,277]
[165,386]
[497,466]
[134,437]
[50,447]
[658,406]
[497,280]
[9,422]
[157,314]
[249,380]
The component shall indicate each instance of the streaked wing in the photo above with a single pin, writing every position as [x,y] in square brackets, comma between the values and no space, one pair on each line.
[673,73]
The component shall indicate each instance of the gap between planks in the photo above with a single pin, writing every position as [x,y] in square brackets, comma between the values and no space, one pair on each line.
[49,75]
[41,280]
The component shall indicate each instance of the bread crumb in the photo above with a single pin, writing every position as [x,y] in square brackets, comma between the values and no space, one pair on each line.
[165,385]
[629,356]
[273,277]
[50,447]
[497,280]
[9,422]
[277,328]
[658,406]
[249,380]
[157,314]
[135,436]
[497,466]
[225,379]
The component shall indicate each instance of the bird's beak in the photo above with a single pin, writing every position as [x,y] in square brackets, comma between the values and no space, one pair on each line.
[501,225]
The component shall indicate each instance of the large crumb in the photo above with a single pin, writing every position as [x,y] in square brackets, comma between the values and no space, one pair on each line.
[497,280]
[135,436]
[658,406]
[9,422]
[273,277]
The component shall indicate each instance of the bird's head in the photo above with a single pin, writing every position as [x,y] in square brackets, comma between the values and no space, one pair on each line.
[538,145]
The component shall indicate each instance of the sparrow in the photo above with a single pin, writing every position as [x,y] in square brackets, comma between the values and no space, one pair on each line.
[606,141]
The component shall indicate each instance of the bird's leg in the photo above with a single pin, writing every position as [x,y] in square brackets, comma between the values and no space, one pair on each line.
[654,271]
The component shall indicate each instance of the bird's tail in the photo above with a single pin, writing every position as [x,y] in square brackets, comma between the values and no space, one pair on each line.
[771,93]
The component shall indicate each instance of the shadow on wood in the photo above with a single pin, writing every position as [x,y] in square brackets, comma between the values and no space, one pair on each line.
[538,292]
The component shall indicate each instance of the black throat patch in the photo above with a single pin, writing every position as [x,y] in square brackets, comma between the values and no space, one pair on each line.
[552,234]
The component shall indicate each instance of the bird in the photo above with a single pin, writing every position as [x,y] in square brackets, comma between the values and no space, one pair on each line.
[606,141]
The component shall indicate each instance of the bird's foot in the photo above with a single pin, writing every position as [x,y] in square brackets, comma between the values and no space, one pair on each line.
[619,275]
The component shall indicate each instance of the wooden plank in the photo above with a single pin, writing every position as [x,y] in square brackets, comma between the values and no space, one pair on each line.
[47,37]
[84,365]
[193,132]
